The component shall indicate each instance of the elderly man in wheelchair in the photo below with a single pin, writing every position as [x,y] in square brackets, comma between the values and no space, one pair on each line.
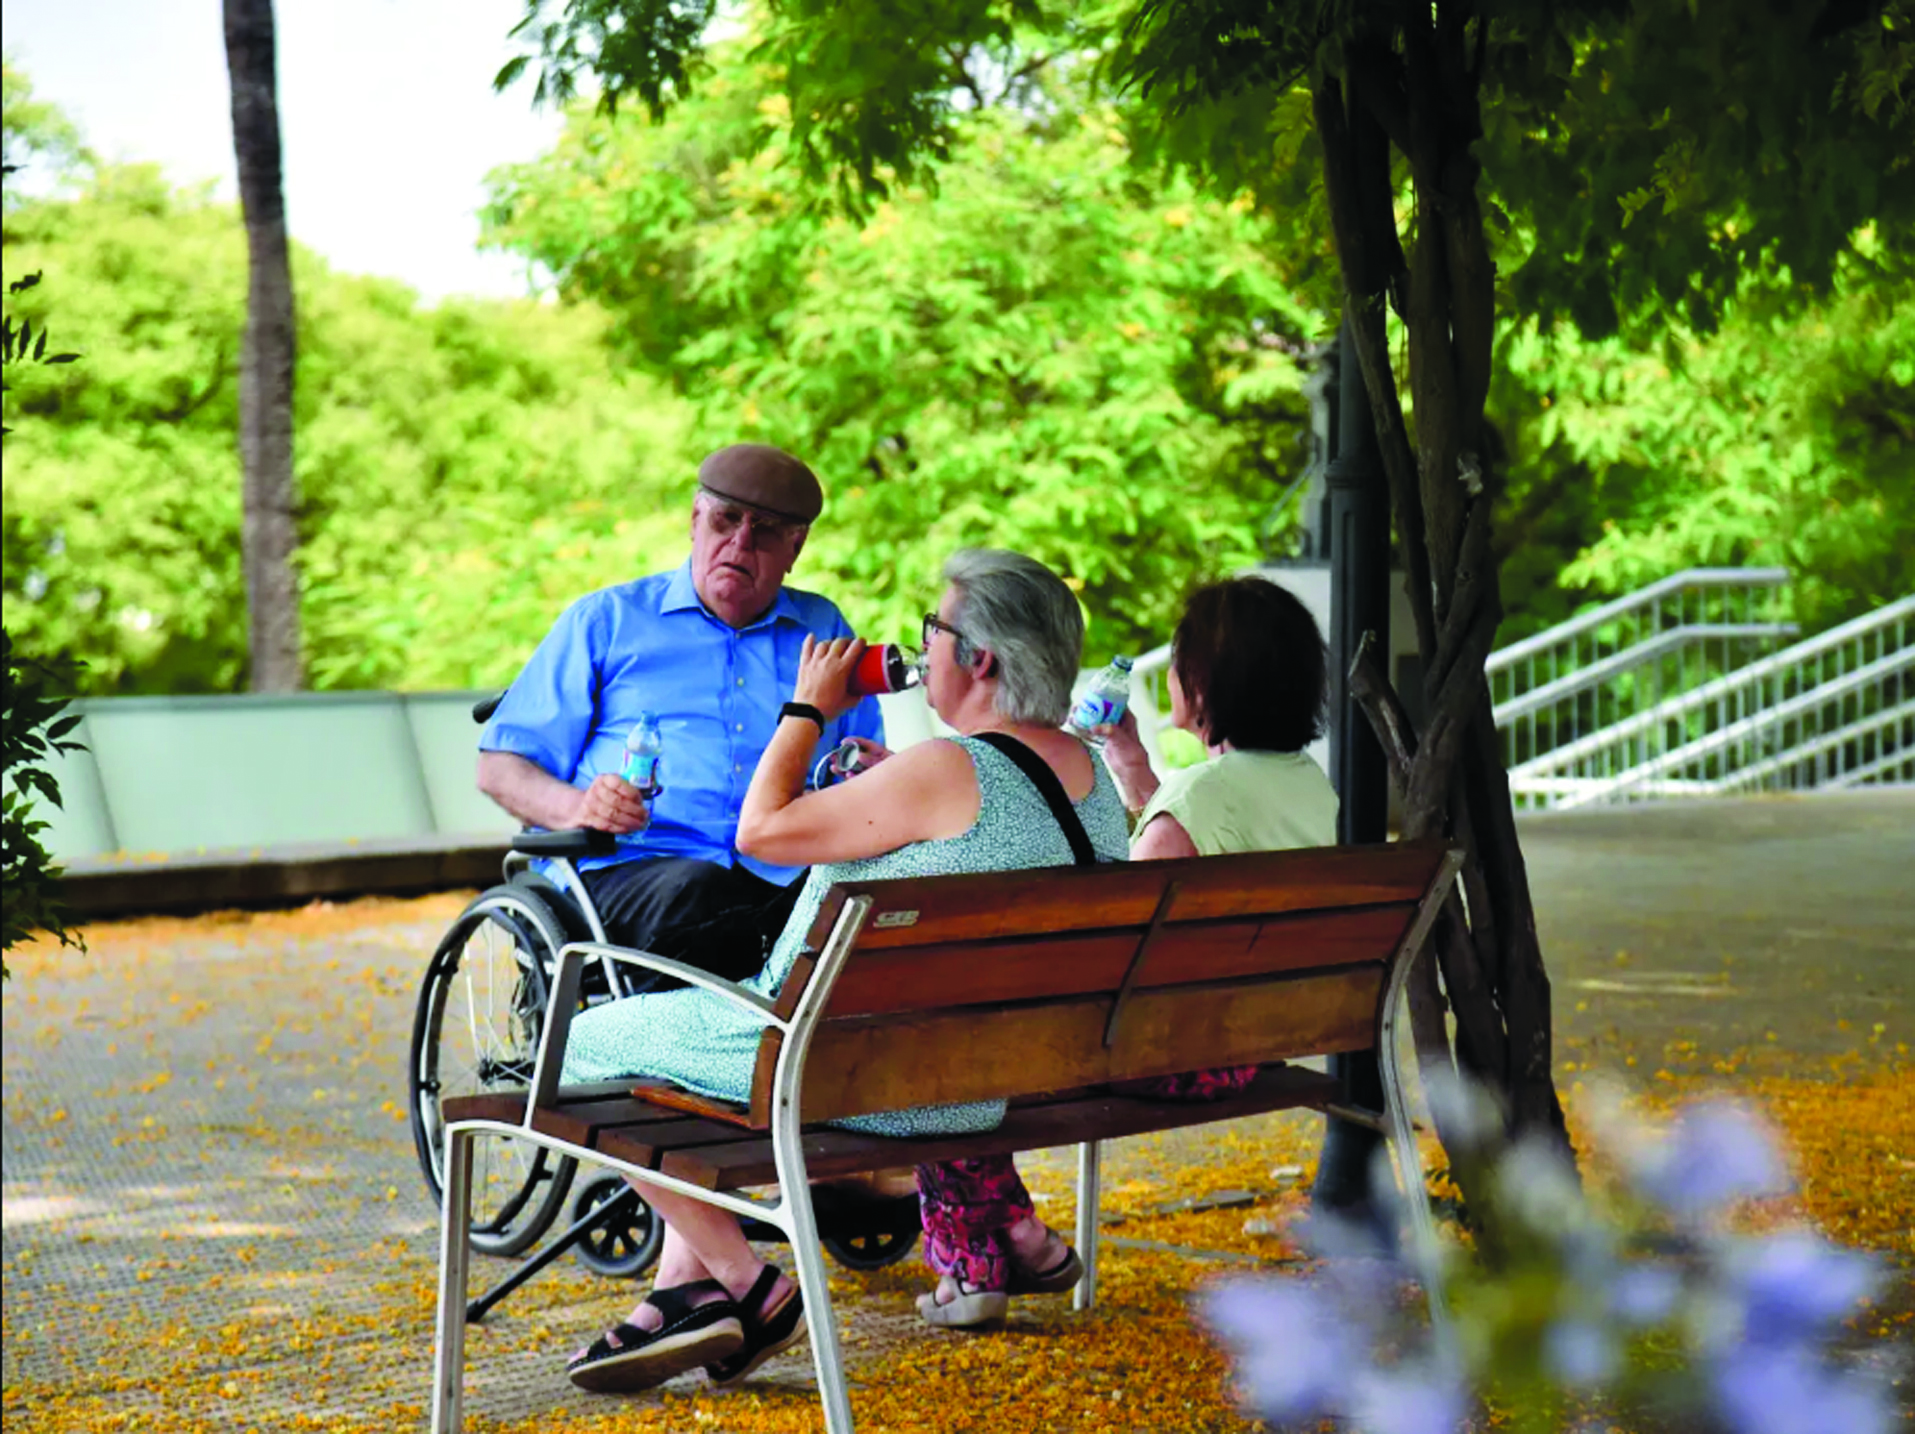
[712,649]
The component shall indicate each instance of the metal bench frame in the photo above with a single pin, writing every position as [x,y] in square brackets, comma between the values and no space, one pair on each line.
[791,1212]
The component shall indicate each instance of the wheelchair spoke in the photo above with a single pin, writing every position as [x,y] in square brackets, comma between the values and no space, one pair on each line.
[478,1032]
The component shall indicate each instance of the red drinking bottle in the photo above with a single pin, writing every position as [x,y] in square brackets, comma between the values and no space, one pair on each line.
[885,667]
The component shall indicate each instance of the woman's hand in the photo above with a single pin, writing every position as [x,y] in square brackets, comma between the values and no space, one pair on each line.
[1129,763]
[867,755]
[824,674]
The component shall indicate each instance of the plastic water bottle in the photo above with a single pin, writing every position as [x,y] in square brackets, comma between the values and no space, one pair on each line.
[644,752]
[1103,702]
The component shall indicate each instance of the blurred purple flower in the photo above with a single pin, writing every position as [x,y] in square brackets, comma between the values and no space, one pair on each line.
[1717,1152]
[1790,1391]
[1643,1295]
[1412,1398]
[1793,1284]
[1295,1351]
[1579,1352]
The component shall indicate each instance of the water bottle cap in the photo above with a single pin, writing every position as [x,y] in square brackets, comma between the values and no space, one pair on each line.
[1124,662]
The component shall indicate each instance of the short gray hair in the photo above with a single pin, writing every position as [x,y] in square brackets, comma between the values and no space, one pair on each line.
[1022,612]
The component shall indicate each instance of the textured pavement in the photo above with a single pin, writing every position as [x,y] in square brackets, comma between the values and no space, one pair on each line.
[213,1218]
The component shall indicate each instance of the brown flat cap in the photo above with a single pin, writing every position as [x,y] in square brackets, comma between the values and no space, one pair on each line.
[760,476]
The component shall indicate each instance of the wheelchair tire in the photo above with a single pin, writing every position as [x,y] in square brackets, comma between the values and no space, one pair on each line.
[476,1032]
[626,1248]
[872,1251]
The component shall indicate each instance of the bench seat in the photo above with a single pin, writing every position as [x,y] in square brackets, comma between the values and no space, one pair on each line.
[724,1157]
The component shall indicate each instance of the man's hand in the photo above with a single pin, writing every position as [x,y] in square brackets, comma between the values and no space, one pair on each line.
[611,804]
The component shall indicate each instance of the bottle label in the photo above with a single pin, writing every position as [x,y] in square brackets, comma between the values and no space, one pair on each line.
[642,771]
[1096,709]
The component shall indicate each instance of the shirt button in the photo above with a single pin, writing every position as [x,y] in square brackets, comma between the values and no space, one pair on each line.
[738,766]
[741,682]
[741,727]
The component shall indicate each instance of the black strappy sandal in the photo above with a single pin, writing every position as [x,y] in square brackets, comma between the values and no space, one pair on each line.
[767,1332]
[626,1359]
[1061,1276]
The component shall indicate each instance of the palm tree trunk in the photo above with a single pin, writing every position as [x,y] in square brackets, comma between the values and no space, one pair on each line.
[270,533]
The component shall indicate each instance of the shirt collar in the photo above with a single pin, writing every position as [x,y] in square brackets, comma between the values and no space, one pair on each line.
[681,595]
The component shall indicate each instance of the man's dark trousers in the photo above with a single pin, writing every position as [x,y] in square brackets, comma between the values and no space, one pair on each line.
[722,919]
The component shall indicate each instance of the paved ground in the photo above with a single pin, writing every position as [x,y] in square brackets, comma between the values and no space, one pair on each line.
[1730,926]
[212,1218]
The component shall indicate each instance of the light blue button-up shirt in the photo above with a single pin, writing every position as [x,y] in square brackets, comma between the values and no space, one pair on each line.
[650,645]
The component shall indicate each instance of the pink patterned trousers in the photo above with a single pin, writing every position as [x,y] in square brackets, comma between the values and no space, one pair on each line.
[969,1206]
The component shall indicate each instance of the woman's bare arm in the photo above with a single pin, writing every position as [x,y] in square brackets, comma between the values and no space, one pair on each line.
[926,792]
[1163,837]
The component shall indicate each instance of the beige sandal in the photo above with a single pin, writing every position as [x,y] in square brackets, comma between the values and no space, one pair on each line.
[968,1309]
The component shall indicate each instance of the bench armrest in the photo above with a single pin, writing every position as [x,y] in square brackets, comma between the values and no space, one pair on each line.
[564,996]
[690,975]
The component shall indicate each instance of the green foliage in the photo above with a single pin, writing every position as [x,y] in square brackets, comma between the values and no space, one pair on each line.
[21,343]
[33,727]
[464,471]
[1637,158]
[33,132]
[1786,437]
[1044,355]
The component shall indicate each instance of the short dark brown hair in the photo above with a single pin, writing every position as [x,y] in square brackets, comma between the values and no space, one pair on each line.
[1252,665]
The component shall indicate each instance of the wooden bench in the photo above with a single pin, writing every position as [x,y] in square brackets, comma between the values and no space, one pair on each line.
[1035,986]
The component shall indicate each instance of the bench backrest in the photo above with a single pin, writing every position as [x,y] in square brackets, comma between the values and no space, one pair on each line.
[1017,983]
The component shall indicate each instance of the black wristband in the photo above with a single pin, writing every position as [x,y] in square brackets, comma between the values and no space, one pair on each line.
[805,710]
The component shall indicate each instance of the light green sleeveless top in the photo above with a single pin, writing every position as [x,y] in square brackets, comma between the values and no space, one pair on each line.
[1249,801]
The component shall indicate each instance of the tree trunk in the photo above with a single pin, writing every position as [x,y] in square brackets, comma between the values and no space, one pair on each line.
[1415,91]
[269,534]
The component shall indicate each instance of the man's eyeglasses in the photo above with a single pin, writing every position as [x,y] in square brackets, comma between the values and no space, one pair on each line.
[934,624]
[764,531]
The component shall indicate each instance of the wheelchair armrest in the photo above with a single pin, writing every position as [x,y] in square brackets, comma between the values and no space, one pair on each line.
[576,841]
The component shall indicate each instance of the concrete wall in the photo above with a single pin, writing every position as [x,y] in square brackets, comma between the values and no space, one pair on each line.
[187,775]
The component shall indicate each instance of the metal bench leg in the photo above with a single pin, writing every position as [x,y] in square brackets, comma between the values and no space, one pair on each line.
[455,1259]
[820,1320]
[1088,1226]
[1409,1164]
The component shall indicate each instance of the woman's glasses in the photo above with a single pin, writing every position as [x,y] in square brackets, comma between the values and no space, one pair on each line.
[934,624]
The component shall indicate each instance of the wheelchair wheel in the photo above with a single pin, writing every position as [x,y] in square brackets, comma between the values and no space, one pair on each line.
[872,1251]
[476,1032]
[629,1245]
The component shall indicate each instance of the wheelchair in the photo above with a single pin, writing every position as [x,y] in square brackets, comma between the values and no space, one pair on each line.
[476,1030]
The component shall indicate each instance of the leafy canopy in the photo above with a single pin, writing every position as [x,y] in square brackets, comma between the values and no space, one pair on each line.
[463,471]
[1046,353]
[1637,158]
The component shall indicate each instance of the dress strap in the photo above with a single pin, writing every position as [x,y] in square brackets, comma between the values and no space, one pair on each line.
[1050,789]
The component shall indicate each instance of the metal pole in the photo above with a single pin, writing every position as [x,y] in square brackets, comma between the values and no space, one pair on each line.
[1359,603]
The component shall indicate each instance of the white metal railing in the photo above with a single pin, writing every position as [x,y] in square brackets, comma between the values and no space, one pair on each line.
[1675,691]
[1628,656]
[1837,710]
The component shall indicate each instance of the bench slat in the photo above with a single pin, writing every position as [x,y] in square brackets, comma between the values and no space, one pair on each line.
[915,911]
[645,1143]
[996,972]
[1041,1126]
[865,1064]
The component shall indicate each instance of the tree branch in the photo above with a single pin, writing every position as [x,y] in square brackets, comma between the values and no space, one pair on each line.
[1480,1040]
[1475,586]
